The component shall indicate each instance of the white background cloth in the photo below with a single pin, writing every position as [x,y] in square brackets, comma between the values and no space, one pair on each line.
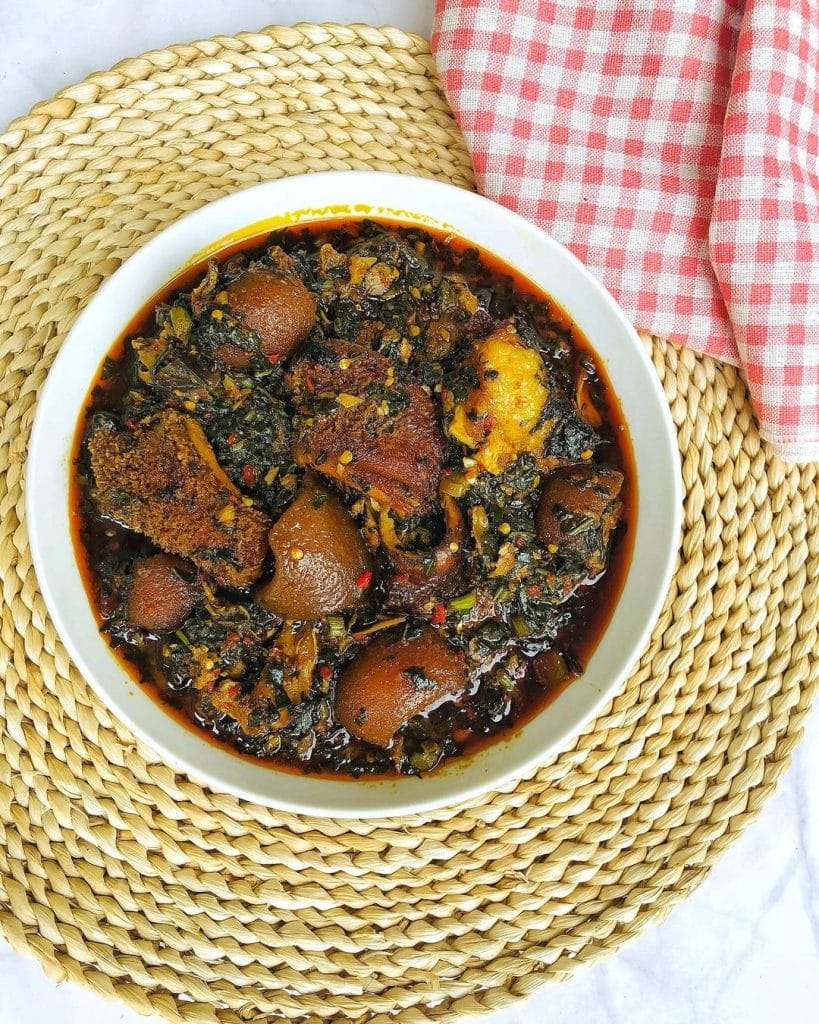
[744,949]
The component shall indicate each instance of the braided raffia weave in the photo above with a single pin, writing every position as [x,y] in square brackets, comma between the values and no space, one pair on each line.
[119,873]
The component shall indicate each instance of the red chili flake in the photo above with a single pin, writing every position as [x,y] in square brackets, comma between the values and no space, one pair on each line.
[231,438]
[274,357]
[232,637]
[131,423]
[438,615]
[533,590]
[234,691]
[248,476]
[364,579]
[325,671]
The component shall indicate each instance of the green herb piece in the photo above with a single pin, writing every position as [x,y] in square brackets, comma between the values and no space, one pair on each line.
[336,626]
[507,683]
[182,637]
[464,603]
[426,757]
[181,322]
[520,625]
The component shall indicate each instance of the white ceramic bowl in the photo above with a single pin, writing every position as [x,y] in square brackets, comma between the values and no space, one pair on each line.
[402,198]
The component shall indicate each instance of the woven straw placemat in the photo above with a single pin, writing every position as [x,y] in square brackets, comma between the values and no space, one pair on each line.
[117,872]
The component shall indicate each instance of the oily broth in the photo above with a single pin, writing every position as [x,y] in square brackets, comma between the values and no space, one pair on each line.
[593,609]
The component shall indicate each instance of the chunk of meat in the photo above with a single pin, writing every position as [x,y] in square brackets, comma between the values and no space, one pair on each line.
[423,576]
[371,267]
[549,669]
[456,305]
[164,591]
[392,680]
[503,416]
[234,356]
[278,307]
[163,480]
[366,428]
[579,507]
[322,563]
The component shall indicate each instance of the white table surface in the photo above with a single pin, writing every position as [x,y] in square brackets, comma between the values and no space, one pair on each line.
[745,947]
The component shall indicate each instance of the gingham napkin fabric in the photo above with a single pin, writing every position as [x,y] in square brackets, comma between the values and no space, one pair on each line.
[673,146]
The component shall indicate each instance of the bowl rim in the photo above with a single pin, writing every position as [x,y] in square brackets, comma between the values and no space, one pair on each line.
[463,780]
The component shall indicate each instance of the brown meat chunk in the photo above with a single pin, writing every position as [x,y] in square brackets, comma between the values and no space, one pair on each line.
[232,355]
[421,577]
[276,306]
[457,305]
[322,562]
[392,680]
[549,669]
[163,593]
[578,510]
[371,431]
[163,480]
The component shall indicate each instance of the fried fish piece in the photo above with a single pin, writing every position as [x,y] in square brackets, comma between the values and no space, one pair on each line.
[163,480]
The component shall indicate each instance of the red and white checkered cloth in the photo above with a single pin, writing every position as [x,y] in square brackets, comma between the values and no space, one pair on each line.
[673,146]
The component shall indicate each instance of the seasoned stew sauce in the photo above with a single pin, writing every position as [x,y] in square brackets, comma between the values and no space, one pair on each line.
[353,498]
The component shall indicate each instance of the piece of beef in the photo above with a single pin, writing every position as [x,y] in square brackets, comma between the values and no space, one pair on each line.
[579,508]
[367,428]
[422,577]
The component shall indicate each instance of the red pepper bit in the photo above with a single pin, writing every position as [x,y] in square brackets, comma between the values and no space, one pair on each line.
[325,671]
[364,579]
[131,423]
[231,438]
[438,614]
[248,476]
[274,357]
